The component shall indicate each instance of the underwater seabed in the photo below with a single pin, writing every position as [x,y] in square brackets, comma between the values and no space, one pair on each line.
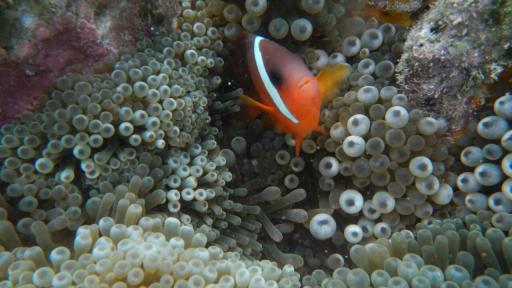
[127,163]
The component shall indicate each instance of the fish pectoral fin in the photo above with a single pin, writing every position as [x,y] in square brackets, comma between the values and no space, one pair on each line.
[319,129]
[330,77]
[251,102]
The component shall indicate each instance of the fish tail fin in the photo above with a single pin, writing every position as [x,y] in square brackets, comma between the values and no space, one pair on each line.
[330,77]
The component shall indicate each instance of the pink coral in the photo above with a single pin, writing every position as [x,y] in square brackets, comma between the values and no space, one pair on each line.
[74,46]
[61,38]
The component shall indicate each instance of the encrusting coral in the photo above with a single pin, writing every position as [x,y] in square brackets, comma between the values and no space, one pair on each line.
[144,176]
[41,41]
[444,65]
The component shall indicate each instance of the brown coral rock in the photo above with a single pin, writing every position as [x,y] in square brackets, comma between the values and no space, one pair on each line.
[451,52]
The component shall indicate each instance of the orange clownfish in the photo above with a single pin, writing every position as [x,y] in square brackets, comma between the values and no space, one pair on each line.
[285,89]
[394,17]
[398,12]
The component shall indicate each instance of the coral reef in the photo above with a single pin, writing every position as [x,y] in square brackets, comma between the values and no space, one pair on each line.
[141,173]
[445,61]
[74,46]
[42,41]
[399,6]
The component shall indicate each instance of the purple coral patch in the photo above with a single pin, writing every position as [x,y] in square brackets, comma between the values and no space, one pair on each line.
[74,46]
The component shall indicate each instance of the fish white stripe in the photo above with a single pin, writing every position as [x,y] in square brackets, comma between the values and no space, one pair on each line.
[271,89]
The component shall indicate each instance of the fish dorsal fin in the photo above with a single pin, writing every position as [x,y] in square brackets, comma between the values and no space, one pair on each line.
[330,77]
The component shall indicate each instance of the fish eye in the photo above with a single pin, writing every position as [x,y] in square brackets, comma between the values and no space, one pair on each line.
[275,78]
